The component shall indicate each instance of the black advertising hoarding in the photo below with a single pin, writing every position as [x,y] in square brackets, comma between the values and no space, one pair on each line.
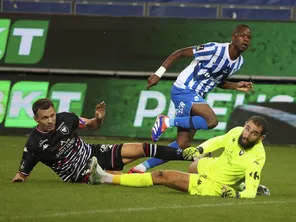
[76,42]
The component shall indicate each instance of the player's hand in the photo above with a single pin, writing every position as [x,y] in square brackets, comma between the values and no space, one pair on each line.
[100,110]
[190,153]
[245,87]
[152,81]
[18,178]
[229,192]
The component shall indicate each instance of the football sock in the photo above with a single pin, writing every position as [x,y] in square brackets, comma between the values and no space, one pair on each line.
[152,162]
[189,122]
[131,180]
[162,152]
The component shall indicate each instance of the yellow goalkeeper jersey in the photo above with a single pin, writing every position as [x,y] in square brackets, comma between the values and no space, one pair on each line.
[235,164]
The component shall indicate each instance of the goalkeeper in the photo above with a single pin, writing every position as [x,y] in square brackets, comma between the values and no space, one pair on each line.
[242,159]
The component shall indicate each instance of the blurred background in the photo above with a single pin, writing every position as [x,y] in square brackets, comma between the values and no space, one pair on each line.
[78,53]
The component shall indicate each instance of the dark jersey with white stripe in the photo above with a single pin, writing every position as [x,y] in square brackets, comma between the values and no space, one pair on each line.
[62,150]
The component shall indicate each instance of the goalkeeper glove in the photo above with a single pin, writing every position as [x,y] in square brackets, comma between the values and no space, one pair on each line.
[190,153]
[229,192]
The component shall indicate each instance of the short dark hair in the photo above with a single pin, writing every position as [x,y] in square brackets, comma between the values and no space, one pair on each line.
[239,27]
[260,122]
[41,104]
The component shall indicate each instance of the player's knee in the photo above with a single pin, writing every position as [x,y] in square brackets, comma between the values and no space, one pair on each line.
[159,177]
[193,167]
[212,123]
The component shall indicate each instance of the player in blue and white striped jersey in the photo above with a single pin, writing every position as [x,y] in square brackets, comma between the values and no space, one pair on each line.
[212,65]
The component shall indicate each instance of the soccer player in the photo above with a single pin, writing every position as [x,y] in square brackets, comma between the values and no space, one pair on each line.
[54,142]
[242,159]
[212,65]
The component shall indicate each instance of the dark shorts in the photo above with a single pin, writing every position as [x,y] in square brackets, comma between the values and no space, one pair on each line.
[108,155]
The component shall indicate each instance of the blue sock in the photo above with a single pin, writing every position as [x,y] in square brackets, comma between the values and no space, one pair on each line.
[190,122]
[153,162]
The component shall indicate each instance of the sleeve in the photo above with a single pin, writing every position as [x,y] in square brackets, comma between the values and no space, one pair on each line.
[204,51]
[252,180]
[28,161]
[73,119]
[214,143]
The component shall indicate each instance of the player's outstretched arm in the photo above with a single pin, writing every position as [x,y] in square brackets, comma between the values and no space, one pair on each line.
[97,121]
[181,53]
[19,177]
[239,86]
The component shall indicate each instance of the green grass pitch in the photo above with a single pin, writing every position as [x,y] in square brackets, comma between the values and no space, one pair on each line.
[44,197]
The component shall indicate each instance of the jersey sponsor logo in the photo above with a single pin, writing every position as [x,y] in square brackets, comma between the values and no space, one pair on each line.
[65,146]
[204,72]
[63,143]
[255,175]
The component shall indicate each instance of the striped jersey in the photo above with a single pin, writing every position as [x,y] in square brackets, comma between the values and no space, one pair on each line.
[210,67]
[62,150]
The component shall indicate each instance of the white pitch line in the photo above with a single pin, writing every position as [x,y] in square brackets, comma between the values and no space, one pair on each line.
[139,209]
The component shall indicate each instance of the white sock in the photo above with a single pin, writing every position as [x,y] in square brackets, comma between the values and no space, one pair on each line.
[107,178]
[167,121]
[140,167]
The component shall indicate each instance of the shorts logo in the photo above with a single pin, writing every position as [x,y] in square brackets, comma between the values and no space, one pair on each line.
[196,98]
[180,109]
[105,148]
